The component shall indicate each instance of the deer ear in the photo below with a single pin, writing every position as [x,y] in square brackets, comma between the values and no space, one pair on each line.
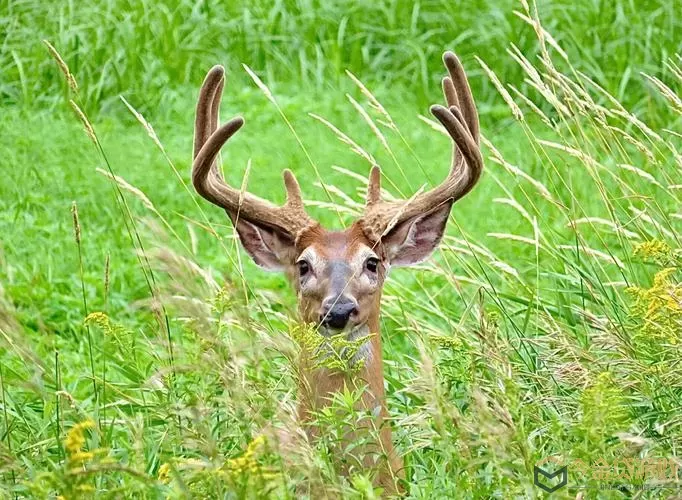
[413,240]
[268,248]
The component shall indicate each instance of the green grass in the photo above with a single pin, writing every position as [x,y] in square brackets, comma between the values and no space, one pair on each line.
[545,325]
[148,50]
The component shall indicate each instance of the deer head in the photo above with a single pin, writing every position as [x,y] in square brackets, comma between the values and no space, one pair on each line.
[339,275]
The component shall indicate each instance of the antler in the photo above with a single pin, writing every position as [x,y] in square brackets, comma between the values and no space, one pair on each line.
[289,219]
[461,122]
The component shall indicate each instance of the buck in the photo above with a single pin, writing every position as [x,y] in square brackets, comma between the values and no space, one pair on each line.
[339,275]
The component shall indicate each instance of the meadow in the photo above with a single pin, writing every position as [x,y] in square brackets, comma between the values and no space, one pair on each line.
[142,353]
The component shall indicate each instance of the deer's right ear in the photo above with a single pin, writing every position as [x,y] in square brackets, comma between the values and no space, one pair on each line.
[268,248]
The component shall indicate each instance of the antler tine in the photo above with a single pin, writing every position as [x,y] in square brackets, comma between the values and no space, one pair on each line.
[374,186]
[207,107]
[452,100]
[465,174]
[454,86]
[461,122]
[215,104]
[463,93]
[294,196]
[449,92]
[290,218]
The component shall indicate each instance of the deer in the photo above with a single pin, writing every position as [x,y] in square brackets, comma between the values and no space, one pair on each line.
[338,275]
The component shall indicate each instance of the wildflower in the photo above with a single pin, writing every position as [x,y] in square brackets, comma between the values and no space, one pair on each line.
[445,342]
[164,473]
[247,465]
[75,438]
[82,456]
[659,309]
[658,252]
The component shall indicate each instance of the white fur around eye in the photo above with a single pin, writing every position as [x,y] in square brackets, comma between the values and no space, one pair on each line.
[315,262]
[308,284]
[359,259]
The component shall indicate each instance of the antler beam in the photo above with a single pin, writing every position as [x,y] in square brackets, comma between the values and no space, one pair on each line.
[289,219]
[461,122]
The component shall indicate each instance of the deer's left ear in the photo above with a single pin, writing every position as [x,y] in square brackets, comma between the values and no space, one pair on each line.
[413,240]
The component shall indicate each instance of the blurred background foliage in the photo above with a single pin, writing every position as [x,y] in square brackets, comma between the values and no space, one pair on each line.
[149,49]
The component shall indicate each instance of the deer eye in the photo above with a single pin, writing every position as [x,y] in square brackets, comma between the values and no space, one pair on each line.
[372,264]
[303,267]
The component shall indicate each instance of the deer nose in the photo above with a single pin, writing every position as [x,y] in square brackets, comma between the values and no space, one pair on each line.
[336,311]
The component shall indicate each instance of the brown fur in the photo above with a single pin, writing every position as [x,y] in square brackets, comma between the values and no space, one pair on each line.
[319,385]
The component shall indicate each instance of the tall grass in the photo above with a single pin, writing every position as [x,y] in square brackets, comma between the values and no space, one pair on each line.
[144,48]
[547,325]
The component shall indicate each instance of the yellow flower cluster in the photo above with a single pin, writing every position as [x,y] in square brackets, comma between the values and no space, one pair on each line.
[247,463]
[657,251]
[75,438]
[238,470]
[247,466]
[102,321]
[444,342]
[659,308]
[164,473]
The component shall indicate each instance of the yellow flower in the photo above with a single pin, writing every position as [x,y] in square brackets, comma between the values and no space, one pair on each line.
[445,342]
[75,438]
[164,473]
[659,308]
[655,251]
[247,463]
[82,456]
[247,467]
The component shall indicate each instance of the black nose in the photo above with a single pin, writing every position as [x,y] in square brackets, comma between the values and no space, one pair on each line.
[336,312]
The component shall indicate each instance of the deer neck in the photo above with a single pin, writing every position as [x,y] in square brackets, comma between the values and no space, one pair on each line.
[318,386]
[372,371]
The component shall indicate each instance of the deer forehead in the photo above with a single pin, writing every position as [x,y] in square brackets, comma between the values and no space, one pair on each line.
[328,247]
